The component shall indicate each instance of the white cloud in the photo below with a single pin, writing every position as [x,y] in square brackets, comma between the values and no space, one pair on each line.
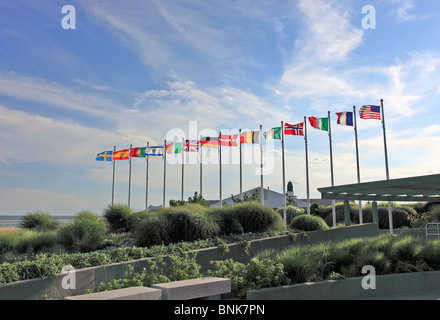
[405,11]
[55,95]
[329,36]
[38,139]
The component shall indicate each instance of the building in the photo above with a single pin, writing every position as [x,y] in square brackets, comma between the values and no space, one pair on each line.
[274,199]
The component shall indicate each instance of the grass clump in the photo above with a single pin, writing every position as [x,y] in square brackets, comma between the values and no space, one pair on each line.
[39,220]
[308,223]
[118,217]
[85,233]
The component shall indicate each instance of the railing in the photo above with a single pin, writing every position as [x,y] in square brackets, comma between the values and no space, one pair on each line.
[17,223]
[433,229]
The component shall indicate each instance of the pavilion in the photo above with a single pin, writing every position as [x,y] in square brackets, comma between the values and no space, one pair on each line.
[421,188]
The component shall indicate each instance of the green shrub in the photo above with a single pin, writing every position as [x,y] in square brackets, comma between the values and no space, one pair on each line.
[118,217]
[308,223]
[38,220]
[400,217]
[259,273]
[226,220]
[254,217]
[326,213]
[84,233]
[150,229]
[37,241]
[189,222]
[9,240]
[291,213]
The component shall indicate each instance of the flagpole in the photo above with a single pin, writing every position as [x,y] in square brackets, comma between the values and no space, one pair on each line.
[331,168]
[241,166]
[390,213]
[220,167]
[146,180]
[361,217]
[164,172]
[284,176]
[201,165]
[113,184]
[261,164]
[183,168]
[129,178]
[307,166]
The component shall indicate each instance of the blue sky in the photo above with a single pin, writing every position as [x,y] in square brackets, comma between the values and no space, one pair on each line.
[137,71]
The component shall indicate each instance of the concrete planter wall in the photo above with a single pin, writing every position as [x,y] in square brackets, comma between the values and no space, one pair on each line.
[89,278]
[351,289]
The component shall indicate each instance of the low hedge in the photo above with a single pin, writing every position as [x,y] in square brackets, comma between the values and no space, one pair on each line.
[190,222]
[308,223]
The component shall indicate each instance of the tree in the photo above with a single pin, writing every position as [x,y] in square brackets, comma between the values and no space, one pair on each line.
[246,198]
[197,198]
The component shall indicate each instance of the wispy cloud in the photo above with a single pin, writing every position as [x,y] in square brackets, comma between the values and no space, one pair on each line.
[55,94]
[37,139]
[404,11]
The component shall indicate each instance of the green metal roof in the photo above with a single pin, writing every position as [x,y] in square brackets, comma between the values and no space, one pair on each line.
[422,188]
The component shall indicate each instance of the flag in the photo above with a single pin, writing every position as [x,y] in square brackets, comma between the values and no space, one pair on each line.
[228,140]
[209,142]
[104,156]
[319,123]
[173,148]
[250,137]
[191,146]
[121,155]
[345,118]
[294,130]
[274,133]
[137,152]
[370,112]
[154,151]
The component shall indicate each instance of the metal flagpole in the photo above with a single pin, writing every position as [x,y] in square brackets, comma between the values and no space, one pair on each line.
[241,167]
[129,178]
[183,168]
[201,165]
[164,155]
[284,176]
[260,136]
[390,213]
[307,166]
[361,217]
[331,168]
[220,171]
[146,180]
[113,185]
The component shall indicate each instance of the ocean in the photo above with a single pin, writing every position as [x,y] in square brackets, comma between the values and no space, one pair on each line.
[14,221]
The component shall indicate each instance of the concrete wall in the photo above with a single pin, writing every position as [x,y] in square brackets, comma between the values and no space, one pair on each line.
[351,289]
[89,278]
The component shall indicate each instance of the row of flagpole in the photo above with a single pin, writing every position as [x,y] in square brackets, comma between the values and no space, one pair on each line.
[353,123]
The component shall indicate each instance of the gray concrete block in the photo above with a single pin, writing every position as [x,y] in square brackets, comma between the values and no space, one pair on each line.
[194,288]
[132,293]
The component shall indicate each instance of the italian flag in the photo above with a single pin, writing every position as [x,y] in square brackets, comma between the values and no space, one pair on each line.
[319,123]
[173,148]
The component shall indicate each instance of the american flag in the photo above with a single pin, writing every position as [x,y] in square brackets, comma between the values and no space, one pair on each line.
[370,112]
[191,146]
[294,130]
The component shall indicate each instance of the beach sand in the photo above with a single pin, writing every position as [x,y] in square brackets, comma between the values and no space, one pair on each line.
[6,229]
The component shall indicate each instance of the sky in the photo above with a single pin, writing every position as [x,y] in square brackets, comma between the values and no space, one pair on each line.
[77,82]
